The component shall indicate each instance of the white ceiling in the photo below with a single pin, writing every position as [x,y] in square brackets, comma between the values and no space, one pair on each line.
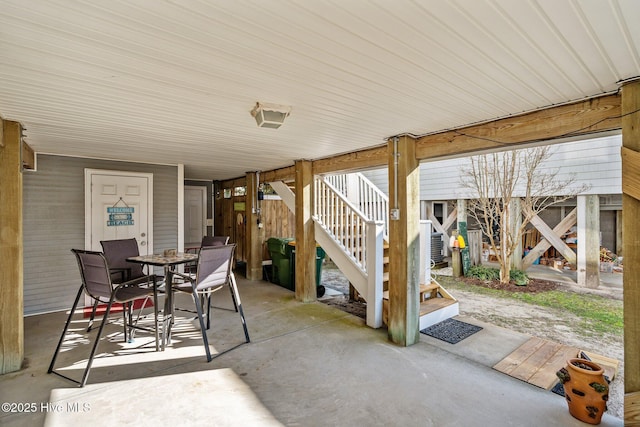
[173,81]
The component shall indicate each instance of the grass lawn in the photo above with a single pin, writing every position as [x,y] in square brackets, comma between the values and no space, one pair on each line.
[604,315]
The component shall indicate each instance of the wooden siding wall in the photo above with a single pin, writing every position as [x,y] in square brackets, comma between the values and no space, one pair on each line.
[54,224]
[277,221]
[226,223]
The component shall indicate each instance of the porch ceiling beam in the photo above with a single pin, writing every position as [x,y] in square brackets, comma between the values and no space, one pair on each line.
[370,158]
[283,174]
[599,114]
[571,120]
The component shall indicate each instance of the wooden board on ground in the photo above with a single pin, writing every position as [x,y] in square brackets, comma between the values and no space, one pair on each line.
[609,365]
[537,361]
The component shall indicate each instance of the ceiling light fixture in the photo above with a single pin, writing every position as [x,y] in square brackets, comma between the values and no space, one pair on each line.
[270,115]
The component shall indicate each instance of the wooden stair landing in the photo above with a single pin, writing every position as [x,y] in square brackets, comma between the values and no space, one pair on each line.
[436,304]
[537,361]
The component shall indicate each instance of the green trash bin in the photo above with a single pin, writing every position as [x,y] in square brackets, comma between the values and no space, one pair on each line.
[320,254]
[280,268]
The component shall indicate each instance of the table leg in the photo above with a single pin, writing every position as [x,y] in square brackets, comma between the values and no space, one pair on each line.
[167,319]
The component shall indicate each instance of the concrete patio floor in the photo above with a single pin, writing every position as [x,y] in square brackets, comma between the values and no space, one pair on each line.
[306,365]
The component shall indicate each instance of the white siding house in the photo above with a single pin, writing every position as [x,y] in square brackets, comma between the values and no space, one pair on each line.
[594,162]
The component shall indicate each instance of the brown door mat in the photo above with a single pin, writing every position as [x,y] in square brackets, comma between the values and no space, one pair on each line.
[537,361]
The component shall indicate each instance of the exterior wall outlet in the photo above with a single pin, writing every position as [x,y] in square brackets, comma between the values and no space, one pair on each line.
[394,214]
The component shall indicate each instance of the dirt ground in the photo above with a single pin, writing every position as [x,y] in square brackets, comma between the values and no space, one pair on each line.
[548,323]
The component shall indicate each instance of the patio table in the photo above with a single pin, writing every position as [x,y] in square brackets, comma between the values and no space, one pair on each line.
[168,262]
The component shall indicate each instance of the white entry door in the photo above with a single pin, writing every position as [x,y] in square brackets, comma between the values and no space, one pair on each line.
[118,205]
[195,214]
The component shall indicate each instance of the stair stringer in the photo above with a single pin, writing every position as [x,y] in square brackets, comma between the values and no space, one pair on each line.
[367,283]
[285,193]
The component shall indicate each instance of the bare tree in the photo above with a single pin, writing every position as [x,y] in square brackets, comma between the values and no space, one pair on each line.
[509,189]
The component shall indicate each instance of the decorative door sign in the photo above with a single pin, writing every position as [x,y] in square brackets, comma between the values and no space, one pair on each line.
[120,215]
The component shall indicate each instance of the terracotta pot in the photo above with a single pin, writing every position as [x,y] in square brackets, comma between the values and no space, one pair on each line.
[585,389]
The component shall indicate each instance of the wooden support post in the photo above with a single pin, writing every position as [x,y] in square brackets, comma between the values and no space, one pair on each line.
[11,250]
[619,234]
[515,221]
[404,242]
[456,262]
[253,241]
[631,226]
[463,253]
[305,234]
[588,261]
[461,210]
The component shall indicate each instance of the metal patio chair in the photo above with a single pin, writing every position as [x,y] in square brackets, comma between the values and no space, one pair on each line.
[124,272]
[213,273]
[192,268]
[206,241]
[96,283]
[214,240]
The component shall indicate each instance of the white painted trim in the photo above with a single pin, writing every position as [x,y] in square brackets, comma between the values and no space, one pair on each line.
[203,194]
[88,173]
[438,316]
[181,207]
[375,233]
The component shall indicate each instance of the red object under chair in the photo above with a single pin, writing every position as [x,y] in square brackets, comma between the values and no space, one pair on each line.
[117,308]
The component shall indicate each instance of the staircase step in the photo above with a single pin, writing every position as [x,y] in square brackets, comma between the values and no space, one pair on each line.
[434,304]
[429,291]
[423,289]
[426,307]
[428,288]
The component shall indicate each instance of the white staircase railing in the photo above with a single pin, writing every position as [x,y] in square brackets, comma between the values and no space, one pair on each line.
[353,242]
[363,194]
[342,220]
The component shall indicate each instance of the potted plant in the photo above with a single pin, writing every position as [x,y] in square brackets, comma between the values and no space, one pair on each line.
[585,389]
